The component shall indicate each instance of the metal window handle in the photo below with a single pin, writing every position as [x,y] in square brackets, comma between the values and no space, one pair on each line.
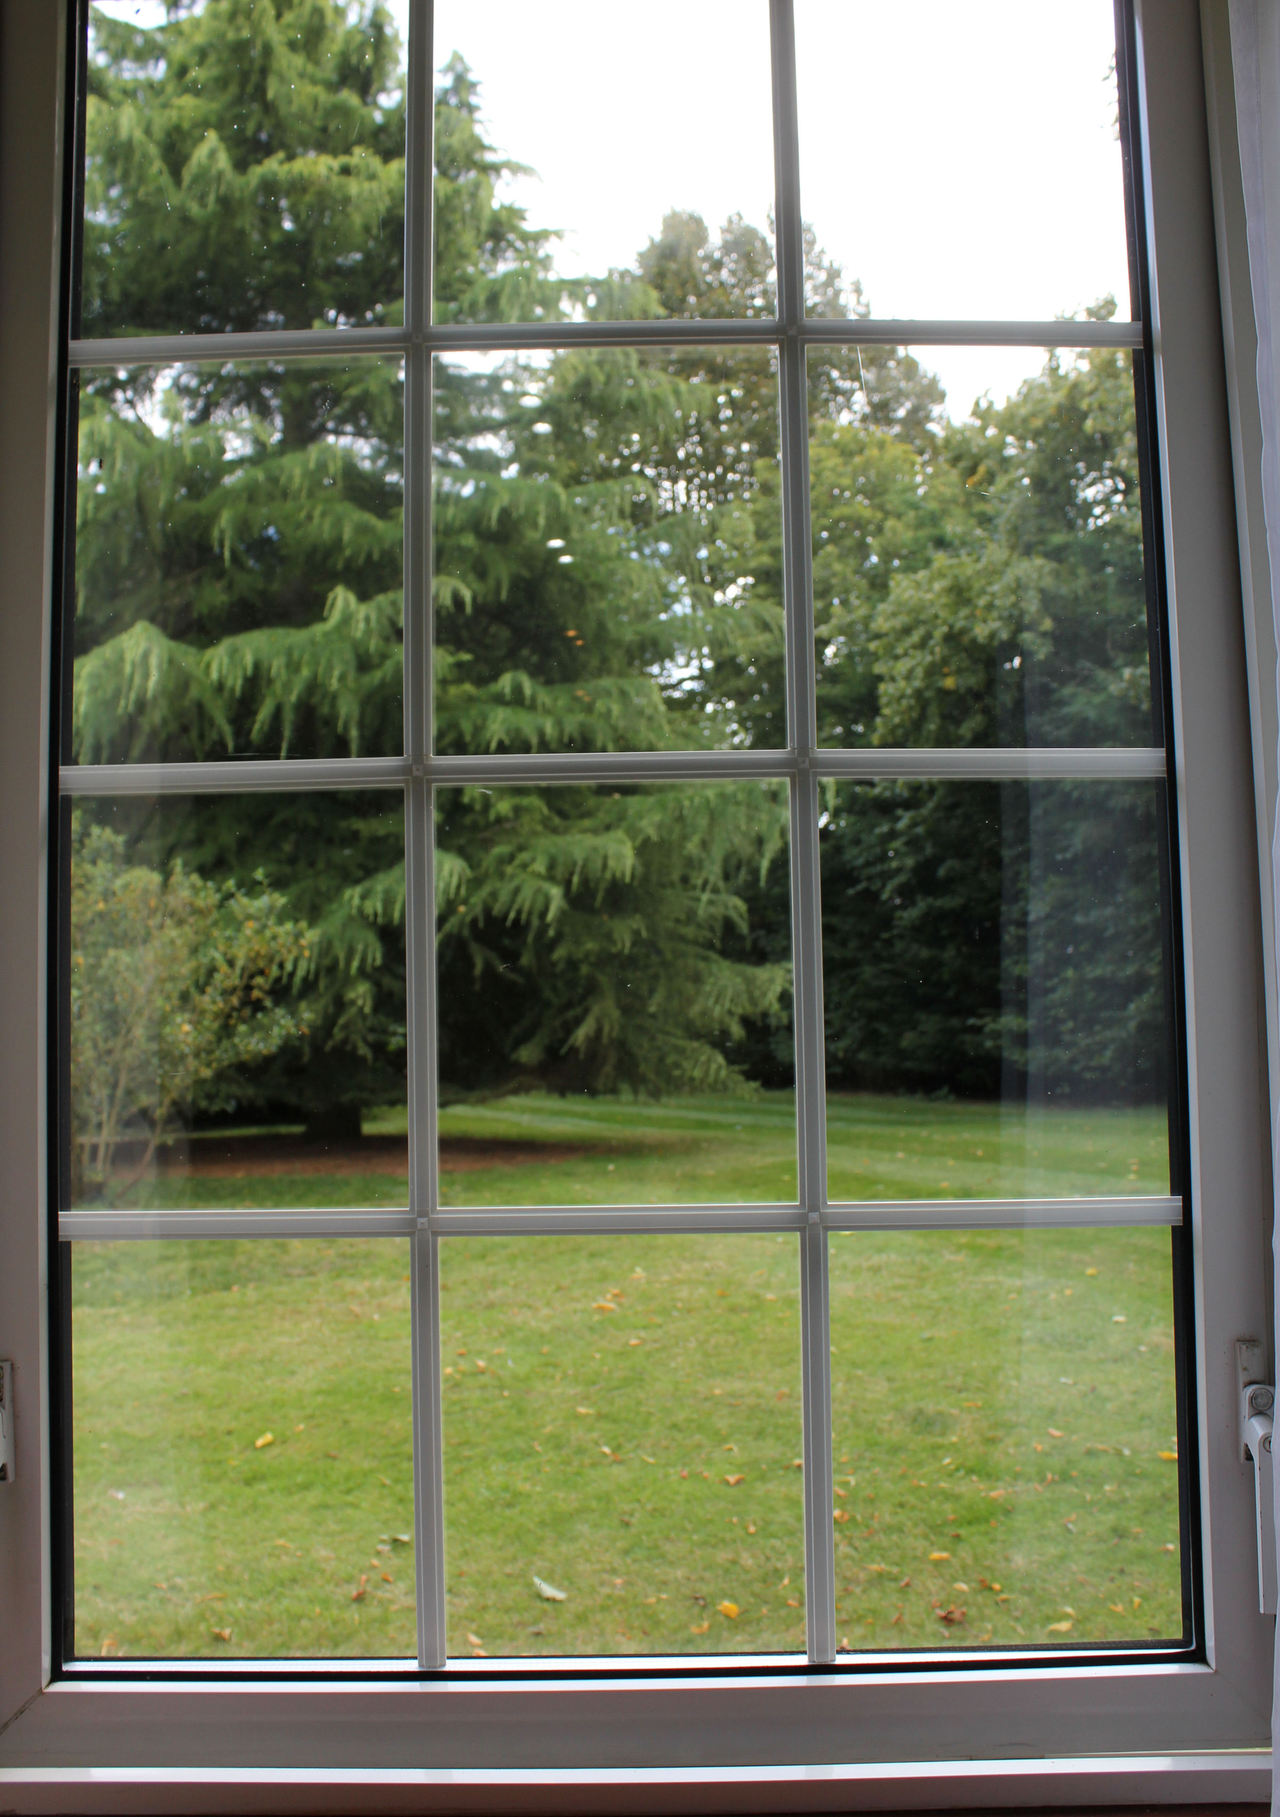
[1257,1402]
[6,1423]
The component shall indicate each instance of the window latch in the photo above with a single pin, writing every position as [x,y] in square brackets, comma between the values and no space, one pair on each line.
[6,1422]
[1257,1403]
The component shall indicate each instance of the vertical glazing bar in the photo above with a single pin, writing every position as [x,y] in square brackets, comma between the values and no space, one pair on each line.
[419,864]
[806,906]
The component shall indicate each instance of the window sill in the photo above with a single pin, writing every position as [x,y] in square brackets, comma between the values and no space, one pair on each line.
[1213,1778]
[882,1733]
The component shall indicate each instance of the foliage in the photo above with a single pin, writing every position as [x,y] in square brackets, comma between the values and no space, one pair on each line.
[176,988]
[608,575]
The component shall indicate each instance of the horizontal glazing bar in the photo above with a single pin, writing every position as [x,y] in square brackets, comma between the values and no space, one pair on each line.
[893,331]
[480,337]
[148,1226]
[256,344]
[234,777]
[1003,1214]
[597,1220]
[609,766]
[1103,763]
[290,773]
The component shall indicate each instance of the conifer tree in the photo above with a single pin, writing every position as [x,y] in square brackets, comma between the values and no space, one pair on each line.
[239,569]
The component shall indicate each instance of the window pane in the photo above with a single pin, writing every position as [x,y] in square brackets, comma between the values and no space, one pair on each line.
[237,1009]
[239,562]
[613,1020]
[588,165]
[622,1439]
[607,563]
[994,990]
[244,168]
[963,162]
[978,575]
[243,1450]
[1006,1439]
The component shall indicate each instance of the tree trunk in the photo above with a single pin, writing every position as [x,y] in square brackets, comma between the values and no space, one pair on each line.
[335,1123]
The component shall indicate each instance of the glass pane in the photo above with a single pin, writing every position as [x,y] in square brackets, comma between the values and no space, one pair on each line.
[622,1432]
[613,1022]
[1006,1439]
[961,161]
[244,168]
[243,1450]
[607,552]
[237,1007]
[978,576]
[239,562]
[994,990]
[593,164]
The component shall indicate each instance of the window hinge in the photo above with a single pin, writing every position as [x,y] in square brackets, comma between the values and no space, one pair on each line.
[6,1422]
[1257,1402]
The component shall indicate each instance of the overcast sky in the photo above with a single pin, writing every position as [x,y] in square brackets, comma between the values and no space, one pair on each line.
[959,161]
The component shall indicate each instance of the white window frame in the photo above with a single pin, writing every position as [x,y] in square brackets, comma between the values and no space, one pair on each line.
[1171,1731]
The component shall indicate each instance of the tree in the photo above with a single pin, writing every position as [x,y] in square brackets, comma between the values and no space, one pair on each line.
[239,580]
[607,575]
[178,993]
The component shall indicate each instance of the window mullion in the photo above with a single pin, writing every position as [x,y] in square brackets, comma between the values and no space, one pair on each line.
[419,854]
[806,912]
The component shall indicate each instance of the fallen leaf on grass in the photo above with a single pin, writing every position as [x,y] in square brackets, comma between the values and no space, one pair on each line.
[634,1341]
[221,1633]
[841,1514]
[402,1539]
[361,1589]
[268,1438]
[1054,1433]
[733,1481]
[937,1557]
[603,1306]
[213,1596]
[951,1616]
[699,1627]
[729,1609]
[584,1410]
[474,1640]
[548,1592]
[387,1577]
[1168,1457]
[1061,1627]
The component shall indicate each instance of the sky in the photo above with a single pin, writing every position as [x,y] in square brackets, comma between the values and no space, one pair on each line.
[960,162]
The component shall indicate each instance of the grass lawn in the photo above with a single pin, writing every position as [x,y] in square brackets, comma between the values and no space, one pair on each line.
[622,1414]
[710,1149]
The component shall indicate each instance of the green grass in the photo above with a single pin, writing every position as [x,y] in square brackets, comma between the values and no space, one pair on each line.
[714,1149]
[1001,1400]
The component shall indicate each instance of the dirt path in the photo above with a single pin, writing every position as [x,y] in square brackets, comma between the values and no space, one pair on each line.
[237,1157]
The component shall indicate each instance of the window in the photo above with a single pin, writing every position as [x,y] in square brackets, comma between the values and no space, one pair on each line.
[713,781]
